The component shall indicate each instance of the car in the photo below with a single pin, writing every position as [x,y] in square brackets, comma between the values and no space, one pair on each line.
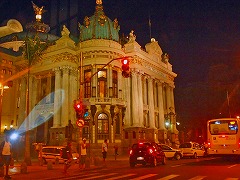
[146,153]
[192,149]
[54,153]
[170,152]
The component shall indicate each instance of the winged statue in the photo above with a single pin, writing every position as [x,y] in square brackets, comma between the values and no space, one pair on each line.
[38,10]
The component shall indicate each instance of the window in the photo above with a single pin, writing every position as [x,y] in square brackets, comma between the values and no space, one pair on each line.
[114,84]
[103,124]
[102,83]
[87,84]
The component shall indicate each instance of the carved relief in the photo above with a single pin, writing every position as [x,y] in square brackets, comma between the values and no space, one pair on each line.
[102,19]
[65,57]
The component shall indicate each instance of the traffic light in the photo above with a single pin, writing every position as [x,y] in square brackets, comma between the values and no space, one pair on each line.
[79,108]
[125,68]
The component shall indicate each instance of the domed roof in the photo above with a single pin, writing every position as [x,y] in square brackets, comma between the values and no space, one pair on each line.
[99,26]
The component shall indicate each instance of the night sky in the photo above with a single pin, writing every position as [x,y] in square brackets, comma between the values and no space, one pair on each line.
[195,33]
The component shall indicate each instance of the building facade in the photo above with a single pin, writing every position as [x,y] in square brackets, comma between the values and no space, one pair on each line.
[122,110]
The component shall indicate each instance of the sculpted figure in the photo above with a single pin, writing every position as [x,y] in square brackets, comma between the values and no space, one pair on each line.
[65,31]
[132,36]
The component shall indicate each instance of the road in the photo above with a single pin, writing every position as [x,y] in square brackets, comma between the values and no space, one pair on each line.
[184,169]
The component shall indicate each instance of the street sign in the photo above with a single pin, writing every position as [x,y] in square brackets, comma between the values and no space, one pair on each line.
[80,122]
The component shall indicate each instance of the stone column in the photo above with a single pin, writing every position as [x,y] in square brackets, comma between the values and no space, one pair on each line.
[65,105]
[151,104]
[73,91]
[135,100]
[140,99]
[127,97]
[57,99]
[169,99]
[160,106]
[94,81]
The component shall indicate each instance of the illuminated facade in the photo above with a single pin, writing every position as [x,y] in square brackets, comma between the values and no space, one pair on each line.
[122,110]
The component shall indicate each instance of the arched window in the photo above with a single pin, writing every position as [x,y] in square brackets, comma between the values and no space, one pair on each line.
[103,126]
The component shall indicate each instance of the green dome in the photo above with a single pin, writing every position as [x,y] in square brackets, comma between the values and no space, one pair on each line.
[99,26]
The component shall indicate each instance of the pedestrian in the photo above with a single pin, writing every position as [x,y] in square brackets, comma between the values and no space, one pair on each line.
[6,154]
[104,150]
[83,153]
[67,156]
[116,151]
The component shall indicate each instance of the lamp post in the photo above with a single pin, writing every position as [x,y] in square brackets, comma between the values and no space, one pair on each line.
[33,50]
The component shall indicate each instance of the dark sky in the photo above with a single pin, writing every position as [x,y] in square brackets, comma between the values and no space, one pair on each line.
[195,33]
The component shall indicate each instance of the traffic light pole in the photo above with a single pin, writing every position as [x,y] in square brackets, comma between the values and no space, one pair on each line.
[82,82]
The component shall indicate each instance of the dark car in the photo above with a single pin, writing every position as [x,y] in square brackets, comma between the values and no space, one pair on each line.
[146,153]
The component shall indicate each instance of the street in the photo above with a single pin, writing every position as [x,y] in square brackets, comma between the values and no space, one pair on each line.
[209,168]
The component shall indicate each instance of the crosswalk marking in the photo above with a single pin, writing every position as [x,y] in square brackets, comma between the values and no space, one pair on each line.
[169,177]
[119,177]
[232,166]
[144,177]
[198,178]
[100,176]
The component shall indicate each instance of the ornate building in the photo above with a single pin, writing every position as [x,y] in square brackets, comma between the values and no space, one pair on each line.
[122,110]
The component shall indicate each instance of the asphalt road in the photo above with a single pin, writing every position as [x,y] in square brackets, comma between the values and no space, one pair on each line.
[207,168]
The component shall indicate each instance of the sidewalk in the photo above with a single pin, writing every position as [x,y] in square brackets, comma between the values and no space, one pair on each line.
[35,171]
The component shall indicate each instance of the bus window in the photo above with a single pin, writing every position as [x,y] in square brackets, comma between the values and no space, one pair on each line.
[223,127]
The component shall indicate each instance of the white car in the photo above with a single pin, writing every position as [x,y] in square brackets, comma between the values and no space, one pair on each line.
[53,153]
[171,152]
[192,149]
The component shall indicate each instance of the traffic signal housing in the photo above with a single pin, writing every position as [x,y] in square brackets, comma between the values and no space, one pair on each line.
[79,108]
[125,68]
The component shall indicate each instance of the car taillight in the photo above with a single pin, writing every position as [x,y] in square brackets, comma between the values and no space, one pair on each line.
[131,151]
[150,150]
[239,142]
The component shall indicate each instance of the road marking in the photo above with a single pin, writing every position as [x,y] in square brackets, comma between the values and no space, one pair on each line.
[100,176]
[232,166]
[198,178]
[169,177]
[119,177]
[178,165]
[144,177]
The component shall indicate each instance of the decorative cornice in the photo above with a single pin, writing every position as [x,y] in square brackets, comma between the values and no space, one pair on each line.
[66,56]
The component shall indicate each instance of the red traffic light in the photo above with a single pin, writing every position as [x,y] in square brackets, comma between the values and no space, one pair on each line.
[125,68]
[78,106]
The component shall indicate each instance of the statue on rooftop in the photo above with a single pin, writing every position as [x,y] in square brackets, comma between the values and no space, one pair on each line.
[132,36]
[65,31]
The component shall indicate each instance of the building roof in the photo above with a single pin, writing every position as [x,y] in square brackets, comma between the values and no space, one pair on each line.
[99,26]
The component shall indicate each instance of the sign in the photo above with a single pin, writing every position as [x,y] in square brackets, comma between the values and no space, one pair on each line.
[80,122]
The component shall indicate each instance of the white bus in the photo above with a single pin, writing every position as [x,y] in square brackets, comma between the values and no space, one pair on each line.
[223,136]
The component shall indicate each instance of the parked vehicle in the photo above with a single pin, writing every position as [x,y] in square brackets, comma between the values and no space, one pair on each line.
[171,152]
[54,153]
[192,149]
[146,153]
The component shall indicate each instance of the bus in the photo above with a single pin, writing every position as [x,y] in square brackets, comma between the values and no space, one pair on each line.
[223,136]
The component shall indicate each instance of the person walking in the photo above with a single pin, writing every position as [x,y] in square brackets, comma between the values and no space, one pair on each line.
[67,156]
[83,153]
[104,150]
[6,154]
